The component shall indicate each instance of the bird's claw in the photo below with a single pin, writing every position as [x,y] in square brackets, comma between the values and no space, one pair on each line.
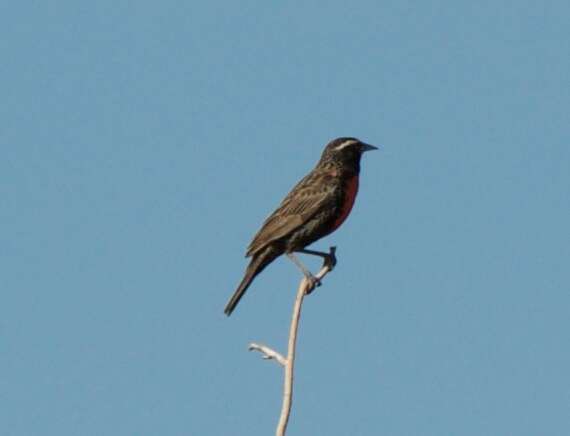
[313,282]
[330,262]
[330,259]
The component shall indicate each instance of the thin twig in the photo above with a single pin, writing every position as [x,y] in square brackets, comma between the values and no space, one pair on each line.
[305,287]
[268,353]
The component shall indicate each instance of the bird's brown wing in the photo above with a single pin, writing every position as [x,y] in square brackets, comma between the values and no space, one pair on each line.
[301,204]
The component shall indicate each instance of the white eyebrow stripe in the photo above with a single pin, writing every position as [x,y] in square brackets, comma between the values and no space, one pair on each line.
[345,144]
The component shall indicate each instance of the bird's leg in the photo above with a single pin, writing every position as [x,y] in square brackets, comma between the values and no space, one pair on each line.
[313,281]
[330,258]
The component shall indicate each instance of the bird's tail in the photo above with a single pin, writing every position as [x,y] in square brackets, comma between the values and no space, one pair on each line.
[257,264]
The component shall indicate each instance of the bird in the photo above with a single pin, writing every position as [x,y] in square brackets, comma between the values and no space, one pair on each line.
[316,206]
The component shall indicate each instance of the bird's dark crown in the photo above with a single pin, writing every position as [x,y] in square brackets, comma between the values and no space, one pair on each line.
[341,144]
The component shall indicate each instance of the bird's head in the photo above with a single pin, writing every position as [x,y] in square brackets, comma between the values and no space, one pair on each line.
[346,151]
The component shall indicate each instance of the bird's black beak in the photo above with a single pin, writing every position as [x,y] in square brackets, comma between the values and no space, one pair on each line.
[367,147]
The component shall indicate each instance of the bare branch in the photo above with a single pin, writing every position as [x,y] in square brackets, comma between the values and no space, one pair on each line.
[305,288]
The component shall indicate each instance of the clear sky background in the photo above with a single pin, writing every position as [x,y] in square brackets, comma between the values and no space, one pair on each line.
[143,143]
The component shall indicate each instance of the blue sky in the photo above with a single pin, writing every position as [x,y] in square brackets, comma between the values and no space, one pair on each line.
[144,143]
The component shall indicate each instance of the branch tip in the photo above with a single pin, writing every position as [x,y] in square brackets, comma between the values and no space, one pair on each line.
[268,353]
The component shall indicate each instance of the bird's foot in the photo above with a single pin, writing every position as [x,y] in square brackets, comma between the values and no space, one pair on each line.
[330,259]
[313,282]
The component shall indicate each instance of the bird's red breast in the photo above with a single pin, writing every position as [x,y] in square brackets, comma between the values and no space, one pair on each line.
[350,191]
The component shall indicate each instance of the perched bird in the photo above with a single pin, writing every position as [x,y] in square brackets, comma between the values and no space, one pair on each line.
[315,207]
